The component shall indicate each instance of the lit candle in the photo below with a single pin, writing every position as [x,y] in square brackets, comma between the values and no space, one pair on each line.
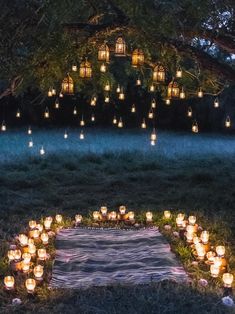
[31,248]
[58,218]
[23,239]
[30,285]
[200,251]
[26,257]
[168,101]
[214,270]
[122,210]
[32,224]
[38,272]
[220,250]
[131,216]
[217,261]
[42,254]
[210,256]
[149,216]
[48,222]
[192,220]
[17,255]
[200,93]
[205,237]
[167,214]
[11,255]
[103,210]
[96,215]
[78,219]
[9,282]
[103,68]
[39,227]
[189,237]
[35,233]
[190,229]
[113,215]
[228,280]
[25,267]
[196,240]
[44,238]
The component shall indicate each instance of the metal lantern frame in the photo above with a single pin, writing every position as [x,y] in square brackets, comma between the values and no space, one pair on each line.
[85,70]
[67,86]
[137,58]
[103,53]
[120,47]
[159,73]
[173,90]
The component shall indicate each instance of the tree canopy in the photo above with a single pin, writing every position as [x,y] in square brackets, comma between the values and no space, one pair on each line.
[42,39]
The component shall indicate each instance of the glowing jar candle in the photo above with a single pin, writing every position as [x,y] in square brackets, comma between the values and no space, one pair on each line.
[23,239]
[113,215]
[78,219]
[104,210]
[214,271]
[192,220]
[189,237]
[31,241]
[35,233]
[179,221]
[210,256]
[17,255]
[204,237]
[38,272]
[39,227]
[220,250]
[167,214]
[200,251]
[9,282]
[58,218]
[11,255]
[32,224]
[30,285]
[149,216]
[42,254]
[196,240]
[131,216]
[32,249]
[227,280]
[48,222]
[25,267]
[44,238]
[96,215]
[217,261]
[122,210]
[26,257]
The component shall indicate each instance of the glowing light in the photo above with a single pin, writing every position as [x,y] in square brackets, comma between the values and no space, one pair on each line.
[30,285]
[143,124]
[227,280]
[9,282]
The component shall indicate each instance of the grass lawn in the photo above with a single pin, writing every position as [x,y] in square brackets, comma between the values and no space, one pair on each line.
[193,173]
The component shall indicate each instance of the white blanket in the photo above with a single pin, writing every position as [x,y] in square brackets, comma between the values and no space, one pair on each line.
[100,257]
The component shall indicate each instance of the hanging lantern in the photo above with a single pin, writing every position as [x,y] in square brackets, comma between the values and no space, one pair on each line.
[81,135]
[173,90]
[153,136]
[46,113]
[159,74]
[103,53]
[57,104]
[133,110]
[153,103]
[152,88]
[3,127]
[107,87]
[190,112]
[179,72]
[182,93]
[75,111]
[118,90]
[121,95]
[168,101]
[120,123]
[18,114]
[53,91]
[195,127]
[137,58]
[107,99]
[138,82]
[65,135]
[200,93]
[74,68]
[151,114]
[61,95]
[29,131]
[216,102]
[114,120]
[49,94]
[85,69]
[103,68]
[143,124]
[42,151]
[120,47]
[92,117]
[82,122]
[93,101]
[30,143]
[228,122]
[67,86]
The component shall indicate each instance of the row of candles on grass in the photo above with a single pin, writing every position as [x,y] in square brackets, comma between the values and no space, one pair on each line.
[24,257]
[21,258]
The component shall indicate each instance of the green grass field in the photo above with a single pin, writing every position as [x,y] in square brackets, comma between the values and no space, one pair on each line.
[194,173]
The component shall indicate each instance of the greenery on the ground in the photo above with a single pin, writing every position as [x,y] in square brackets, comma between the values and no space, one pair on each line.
[74,182]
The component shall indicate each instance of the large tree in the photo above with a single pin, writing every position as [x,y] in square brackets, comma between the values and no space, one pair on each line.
[41,39]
